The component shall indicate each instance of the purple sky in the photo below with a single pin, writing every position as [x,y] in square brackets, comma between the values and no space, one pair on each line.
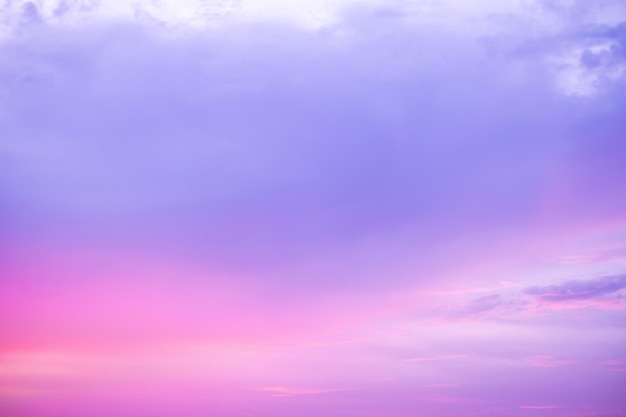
[262,208]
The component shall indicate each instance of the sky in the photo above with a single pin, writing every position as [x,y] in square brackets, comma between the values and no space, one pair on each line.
[313,208]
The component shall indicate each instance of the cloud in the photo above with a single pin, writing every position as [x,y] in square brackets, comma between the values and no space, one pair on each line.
[540,407]
[612,254]
[436,358]
[613,362]
[579,289]
[547,361]
[497,306]
[290,391]
[483,304]
[614,365]
[601,293]
[353,141]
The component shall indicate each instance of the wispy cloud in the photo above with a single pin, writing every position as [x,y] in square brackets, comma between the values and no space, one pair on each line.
[616,365]
[543,361]
[607,255]
[290,391]
[613,362]
[579,289]
[602,293]
[539,407]
[436,358]
[485,304]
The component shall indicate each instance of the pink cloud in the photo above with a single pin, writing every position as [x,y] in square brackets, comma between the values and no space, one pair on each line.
[615,365]
[613,253]
[613,362]
[436,358]
[539,407]
[289,391]
[547,361]
[614,304]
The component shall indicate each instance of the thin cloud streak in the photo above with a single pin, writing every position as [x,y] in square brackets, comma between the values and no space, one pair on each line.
[436,358]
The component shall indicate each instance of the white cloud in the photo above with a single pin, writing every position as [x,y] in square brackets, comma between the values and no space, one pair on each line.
[307,14]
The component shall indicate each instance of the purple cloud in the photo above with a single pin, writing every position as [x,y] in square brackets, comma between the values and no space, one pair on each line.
[540,302]
[483,304]
[152,144]
[579,290]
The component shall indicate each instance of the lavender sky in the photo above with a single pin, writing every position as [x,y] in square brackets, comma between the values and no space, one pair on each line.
[313,208]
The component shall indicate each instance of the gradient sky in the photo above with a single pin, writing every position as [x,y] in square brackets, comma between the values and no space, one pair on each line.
[313,208]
